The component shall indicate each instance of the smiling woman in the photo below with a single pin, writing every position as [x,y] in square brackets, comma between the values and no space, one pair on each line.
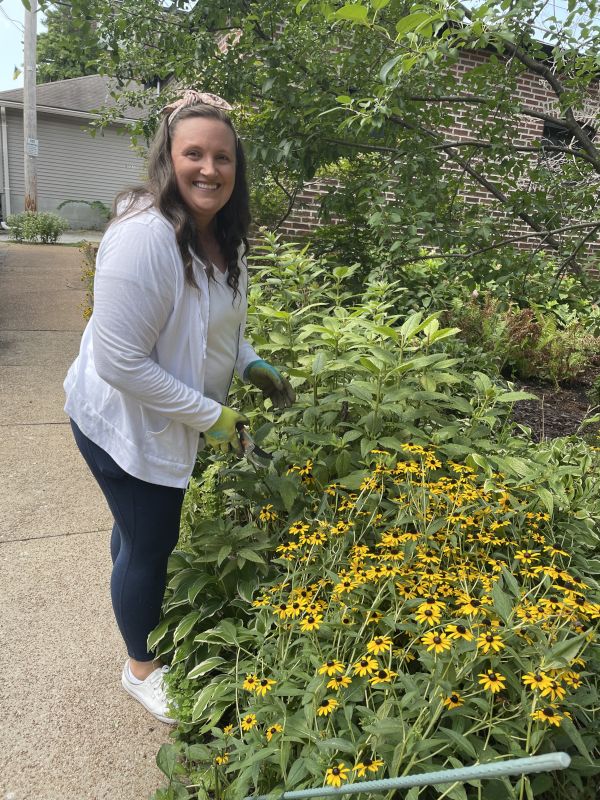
[159,354]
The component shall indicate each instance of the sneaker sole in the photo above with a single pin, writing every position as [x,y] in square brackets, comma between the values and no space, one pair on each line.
[159,717]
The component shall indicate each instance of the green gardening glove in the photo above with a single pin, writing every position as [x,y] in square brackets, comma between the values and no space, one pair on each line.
[274,386]
[224,435]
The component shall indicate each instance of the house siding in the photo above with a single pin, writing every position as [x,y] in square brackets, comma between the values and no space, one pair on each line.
[72,164]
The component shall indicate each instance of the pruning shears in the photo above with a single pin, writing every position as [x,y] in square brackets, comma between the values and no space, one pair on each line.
[252,451]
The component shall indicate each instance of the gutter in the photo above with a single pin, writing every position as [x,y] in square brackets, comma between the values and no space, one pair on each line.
[66,112]
[4,144]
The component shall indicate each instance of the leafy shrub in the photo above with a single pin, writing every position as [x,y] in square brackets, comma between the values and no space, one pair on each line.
[397,487]
[422,613]
[36,226]
[524,342]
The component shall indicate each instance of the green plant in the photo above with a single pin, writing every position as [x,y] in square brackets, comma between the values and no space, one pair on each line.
[36,226]
[526,342]
[397,465]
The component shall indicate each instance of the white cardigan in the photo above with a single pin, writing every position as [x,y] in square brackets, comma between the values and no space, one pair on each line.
[136,388]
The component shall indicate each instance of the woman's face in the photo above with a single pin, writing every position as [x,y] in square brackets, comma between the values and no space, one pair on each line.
[203,156]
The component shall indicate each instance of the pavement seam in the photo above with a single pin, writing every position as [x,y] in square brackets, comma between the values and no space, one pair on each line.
[55,536]
[26,424]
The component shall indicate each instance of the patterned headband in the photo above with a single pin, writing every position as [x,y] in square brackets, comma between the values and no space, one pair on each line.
[192,98]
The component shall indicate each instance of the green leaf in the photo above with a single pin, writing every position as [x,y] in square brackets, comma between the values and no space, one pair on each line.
[353,12]
[502,602]
[574,735]
[379,4]
[320,362]
[412,22]
[166,760]
[562,653]
[250,555]
[389,66]
[158,633]
[514,397]
[186,625]
[546,498]
[205,666]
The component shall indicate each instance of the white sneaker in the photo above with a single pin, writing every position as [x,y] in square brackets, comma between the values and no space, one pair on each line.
[150,693]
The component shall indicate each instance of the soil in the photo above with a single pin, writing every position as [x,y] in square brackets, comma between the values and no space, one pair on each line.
[558,412]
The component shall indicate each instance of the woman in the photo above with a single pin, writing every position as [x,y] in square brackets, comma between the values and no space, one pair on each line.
[158,356]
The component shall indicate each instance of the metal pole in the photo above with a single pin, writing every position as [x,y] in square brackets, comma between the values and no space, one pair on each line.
[4,139]
[29,108]
[491,770]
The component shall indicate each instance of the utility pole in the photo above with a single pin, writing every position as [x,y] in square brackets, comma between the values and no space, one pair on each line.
[29,107]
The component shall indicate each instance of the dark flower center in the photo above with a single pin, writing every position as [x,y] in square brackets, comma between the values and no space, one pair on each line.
[548,711]
[378,641]
[335,771]
[454,698]
[367,762]
[311,620]
[330,663]
[382,673]
[428,612]
[437,639]
[264,682]
[364,663]
[489,638]
[492,676]
[475,603]
[461,629]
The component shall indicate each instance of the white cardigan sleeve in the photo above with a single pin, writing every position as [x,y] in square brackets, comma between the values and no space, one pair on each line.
[134,293]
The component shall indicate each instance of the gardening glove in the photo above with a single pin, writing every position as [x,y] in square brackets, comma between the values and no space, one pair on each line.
[274,386]
[224,434]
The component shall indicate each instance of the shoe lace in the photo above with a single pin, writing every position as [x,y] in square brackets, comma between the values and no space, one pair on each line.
[157,684]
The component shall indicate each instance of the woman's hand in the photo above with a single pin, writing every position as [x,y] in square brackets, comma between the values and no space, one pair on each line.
[274,386]
[224,435]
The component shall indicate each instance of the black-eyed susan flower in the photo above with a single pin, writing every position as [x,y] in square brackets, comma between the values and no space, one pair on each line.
[472,606]
[228,729]
[492,681]
[312,622]
[248,722]
[428,615]
[490,641]
[272,730]
[459,632]
[337,775]
[379,645]
[438,642]
[453,700]
[554,690]
[326,706]
[268,513]
[367,765]
[251,682]
[339,682]
[263,686]
[222,759]
[536,680]
[382,676]
[527,556]
[331,667]
[365,666]
[549,715]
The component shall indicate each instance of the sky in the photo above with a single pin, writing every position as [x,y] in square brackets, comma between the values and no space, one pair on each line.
[11,42]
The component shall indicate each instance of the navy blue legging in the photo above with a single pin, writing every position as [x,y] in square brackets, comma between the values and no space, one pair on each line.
[145,531]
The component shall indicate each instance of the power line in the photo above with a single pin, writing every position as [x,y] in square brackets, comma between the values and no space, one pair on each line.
[18,25]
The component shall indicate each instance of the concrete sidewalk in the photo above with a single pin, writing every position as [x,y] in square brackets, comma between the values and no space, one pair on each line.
[68,730]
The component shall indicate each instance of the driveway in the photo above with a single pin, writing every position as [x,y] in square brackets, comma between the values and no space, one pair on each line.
[68,730]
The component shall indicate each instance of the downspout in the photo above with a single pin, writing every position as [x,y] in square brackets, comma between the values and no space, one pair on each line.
[5,161]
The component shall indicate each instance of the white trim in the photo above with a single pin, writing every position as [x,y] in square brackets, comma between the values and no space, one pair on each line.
[66,112]
[6,187]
